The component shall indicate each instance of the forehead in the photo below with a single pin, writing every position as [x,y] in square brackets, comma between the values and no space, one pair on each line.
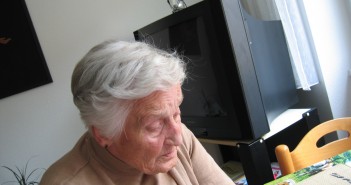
[159,100]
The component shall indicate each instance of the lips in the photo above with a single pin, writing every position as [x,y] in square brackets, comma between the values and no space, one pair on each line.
[170,154]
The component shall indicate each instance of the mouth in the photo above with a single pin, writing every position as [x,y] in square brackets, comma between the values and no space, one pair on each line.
[170,154]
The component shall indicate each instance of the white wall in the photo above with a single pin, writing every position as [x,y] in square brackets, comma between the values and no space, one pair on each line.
[44,122]
[331,30]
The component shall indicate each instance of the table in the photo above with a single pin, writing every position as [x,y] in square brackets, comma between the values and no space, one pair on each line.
[336,169]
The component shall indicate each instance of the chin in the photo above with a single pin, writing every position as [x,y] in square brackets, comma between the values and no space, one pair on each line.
[169,165]
[162,168]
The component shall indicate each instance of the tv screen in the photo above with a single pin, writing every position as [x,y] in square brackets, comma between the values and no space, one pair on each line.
[217,103]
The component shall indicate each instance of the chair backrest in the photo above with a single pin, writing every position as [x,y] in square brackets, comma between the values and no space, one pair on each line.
[308,153]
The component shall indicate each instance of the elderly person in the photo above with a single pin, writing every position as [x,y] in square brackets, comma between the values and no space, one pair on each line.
[128,95]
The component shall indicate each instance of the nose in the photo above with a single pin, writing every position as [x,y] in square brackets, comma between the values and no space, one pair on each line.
[174,132]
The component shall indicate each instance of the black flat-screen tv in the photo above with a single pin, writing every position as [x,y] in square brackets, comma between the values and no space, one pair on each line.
[239,71]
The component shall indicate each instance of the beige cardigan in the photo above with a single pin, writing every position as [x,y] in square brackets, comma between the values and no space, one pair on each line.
[88,163]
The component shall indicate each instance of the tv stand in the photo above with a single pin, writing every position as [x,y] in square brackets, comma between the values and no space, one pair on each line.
[256,155]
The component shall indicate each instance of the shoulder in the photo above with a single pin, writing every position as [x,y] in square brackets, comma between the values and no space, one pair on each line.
[186,133]
[190,142]
[62,170]
[188,137]
[67,167]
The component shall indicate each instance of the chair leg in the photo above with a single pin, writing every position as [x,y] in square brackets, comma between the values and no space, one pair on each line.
[284,159]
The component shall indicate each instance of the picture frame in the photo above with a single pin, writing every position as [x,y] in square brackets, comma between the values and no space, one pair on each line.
[22,62]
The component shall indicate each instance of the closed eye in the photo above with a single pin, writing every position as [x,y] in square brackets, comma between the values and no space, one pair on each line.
[155,127]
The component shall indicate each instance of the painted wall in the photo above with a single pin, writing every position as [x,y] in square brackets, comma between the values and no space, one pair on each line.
[43,123]
[331,30]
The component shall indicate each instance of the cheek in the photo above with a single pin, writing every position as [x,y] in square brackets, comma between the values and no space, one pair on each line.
[141,150]
[153,147]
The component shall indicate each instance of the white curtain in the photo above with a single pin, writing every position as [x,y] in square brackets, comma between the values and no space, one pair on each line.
[300,44]
[261,9]
[296,29]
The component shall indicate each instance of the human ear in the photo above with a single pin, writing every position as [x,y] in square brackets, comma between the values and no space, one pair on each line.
[100,139]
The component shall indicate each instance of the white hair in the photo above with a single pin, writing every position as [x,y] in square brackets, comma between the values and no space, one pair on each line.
[113,74]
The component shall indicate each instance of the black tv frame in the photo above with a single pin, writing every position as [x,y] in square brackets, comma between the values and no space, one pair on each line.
[234,57]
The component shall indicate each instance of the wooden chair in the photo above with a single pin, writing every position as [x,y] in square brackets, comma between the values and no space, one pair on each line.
[308,153]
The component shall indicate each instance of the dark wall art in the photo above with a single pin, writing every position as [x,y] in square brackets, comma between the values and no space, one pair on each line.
[22,63]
